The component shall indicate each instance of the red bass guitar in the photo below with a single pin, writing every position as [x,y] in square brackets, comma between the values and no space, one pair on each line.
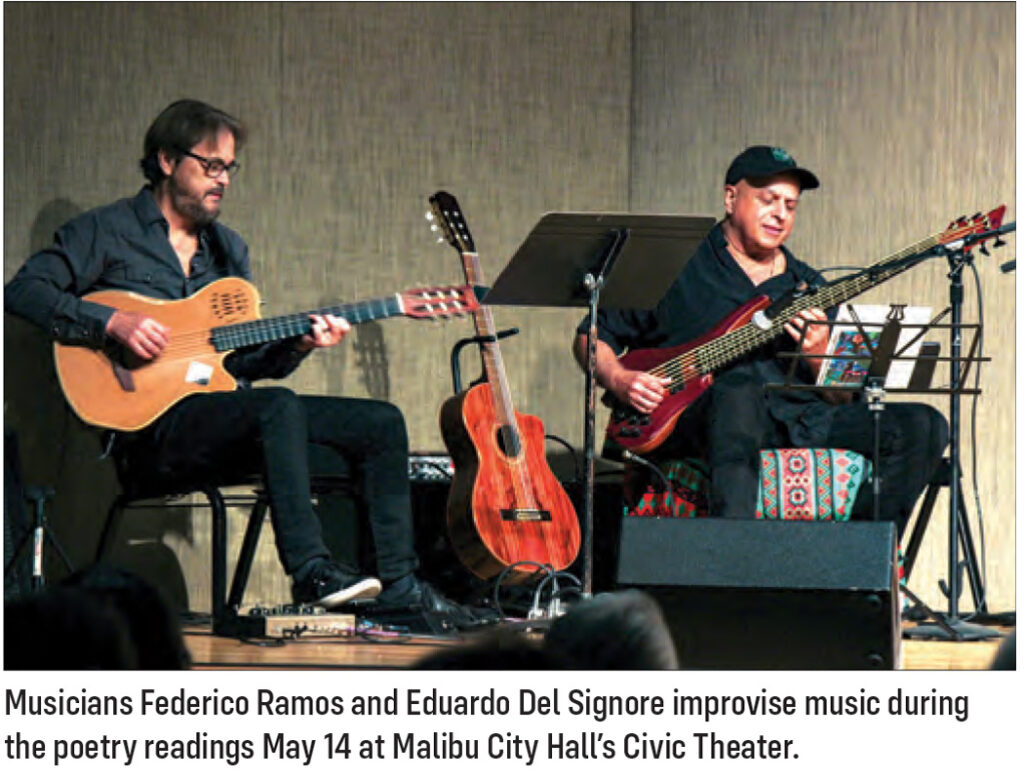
[505,505]
[692,366]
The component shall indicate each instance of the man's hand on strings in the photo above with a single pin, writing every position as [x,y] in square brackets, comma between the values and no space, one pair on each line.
[327,331]
[143,335]
[643,391]
[813,340]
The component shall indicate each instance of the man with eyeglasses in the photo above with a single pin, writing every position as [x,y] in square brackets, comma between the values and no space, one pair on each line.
[166,243]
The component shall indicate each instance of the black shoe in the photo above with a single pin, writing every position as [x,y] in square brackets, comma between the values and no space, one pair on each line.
[411,594]
[327,585]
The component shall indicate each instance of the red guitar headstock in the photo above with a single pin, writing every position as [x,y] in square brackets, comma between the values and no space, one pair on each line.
[439,302]
[972,230]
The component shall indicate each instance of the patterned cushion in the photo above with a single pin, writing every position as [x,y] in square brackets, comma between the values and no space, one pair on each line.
[810,484]
[796,484]
[688,498]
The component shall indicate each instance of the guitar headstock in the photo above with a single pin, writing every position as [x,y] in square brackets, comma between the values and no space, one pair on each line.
[973,230]
[446,216]
[439,303]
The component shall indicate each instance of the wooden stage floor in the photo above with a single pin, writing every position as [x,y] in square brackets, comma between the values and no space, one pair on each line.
[346,652]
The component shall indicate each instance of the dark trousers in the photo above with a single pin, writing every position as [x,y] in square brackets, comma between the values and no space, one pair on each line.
[268,431]
[730,425]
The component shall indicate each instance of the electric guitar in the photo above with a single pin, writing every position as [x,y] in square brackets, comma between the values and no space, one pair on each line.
[692,366]
[505,504]
[114,388]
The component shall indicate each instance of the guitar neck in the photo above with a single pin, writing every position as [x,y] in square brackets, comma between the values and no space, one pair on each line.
[494,366]
[725,349]
[262,331]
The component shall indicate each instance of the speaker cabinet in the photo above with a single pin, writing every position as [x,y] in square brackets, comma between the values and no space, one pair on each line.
[755,594]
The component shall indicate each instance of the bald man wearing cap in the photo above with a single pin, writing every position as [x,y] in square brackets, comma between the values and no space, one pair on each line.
[745,256]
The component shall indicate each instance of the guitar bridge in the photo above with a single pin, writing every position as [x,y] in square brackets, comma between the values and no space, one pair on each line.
[124,378]
[526,515]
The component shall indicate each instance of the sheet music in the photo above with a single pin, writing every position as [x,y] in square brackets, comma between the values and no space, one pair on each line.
[847,339]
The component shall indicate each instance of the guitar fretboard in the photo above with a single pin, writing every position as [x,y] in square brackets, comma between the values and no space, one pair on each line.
[727,348]
[262,331]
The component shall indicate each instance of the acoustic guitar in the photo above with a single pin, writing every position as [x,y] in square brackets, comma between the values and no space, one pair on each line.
[113,388]
[692,366]
[505,505]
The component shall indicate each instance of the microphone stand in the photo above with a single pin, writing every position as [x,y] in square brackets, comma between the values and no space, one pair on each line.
[959,527]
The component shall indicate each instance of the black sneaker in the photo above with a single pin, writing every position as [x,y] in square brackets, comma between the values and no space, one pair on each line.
[411,594]
[327,585]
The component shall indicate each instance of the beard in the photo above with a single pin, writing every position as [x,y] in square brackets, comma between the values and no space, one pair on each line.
[192,205]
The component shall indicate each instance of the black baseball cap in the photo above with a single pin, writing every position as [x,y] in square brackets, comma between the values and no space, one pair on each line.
[760,162]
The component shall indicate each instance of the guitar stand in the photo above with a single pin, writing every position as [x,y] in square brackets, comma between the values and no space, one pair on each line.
[479,341]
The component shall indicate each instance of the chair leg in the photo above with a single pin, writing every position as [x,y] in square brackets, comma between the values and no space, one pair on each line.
[920,526]
[247,553]
[219,551]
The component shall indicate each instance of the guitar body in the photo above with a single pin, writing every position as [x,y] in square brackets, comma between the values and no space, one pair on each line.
[114,389]
[637,432]
[485,539]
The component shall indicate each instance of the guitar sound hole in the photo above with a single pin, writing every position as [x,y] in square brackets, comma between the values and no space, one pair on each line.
[508,441]
[230,304]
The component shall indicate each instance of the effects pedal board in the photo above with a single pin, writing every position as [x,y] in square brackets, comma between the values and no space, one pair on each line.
[288,622]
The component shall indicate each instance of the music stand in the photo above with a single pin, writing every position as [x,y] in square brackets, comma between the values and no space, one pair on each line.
[874,389]
[572,260]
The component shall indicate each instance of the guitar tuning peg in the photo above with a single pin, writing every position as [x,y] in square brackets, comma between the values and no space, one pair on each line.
[433,228]
[976,217]
[430,216]
[440,239]
[998,242]
[984,249]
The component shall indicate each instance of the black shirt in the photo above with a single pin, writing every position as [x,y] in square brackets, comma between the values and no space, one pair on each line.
[125,246]
[711,286]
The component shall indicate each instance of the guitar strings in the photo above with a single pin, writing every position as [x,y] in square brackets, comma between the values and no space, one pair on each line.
[272,328]
[684,368]
[501,398]
[523,494]
[241,334]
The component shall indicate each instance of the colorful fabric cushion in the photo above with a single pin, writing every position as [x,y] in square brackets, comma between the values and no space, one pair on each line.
[810,484]
[796,484]
[687,498]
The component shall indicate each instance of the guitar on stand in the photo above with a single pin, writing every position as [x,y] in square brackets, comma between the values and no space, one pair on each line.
[506,508]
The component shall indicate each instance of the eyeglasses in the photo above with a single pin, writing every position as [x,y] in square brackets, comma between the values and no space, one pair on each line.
[213,166]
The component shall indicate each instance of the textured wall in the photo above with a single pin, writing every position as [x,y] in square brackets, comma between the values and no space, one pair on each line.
[906,113]
[358,112]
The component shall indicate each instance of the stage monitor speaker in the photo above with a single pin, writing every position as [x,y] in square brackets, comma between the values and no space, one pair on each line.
[755,594]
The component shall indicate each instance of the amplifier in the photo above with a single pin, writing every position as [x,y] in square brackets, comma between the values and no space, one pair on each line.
[761,594]
[430,467]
